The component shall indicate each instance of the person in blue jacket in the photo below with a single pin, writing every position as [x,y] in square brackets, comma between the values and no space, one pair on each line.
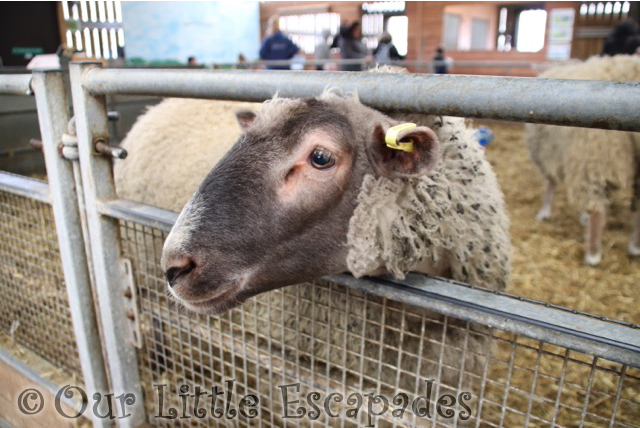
[277,46]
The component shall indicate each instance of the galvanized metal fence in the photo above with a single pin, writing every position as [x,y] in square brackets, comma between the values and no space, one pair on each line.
[494,359]
[34,309]
[48,300]
[417,66]
[538,366]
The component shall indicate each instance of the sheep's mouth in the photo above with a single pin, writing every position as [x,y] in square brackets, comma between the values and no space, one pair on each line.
[214,304]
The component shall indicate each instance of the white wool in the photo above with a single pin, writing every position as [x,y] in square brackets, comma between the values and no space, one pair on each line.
[455,212]
[172,147]
[589,161]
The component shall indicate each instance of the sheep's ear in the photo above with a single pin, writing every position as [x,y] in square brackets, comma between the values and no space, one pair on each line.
[394,162]
[245,118]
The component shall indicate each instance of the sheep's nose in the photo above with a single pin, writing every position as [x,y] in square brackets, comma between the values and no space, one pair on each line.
[179,267]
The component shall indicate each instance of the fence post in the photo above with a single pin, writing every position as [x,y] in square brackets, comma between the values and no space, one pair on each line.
[53,116]
[110,278]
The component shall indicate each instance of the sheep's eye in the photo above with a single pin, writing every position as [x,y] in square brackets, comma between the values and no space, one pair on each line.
[322,159]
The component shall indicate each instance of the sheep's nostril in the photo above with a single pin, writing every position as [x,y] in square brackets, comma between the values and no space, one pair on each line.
[173,273]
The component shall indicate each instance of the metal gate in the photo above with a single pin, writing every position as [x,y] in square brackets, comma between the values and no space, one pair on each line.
[488,358]
[47,303]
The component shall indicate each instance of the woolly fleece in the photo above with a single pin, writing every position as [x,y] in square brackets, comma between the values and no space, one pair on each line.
[172,147]
[590,161]
[455,212]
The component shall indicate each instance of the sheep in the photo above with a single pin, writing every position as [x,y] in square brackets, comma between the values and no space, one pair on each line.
[591,162]
[465,236]
[168,137]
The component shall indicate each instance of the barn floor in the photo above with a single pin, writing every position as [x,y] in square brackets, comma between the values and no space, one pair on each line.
[547,263]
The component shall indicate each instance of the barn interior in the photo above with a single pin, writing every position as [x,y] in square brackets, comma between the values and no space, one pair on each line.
[492,38]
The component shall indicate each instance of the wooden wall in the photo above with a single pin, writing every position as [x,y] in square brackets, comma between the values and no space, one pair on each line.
[425,34]
[426,27]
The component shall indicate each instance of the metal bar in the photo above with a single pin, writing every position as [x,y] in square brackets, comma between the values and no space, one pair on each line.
[585,103]
[507,386]
[401,63]
[35,377]
[534,382]
[585,404]
[617,399]
[25,186]
[15,84]
[110,276]
[614,342]
[146,215]
[53,116]
[563,374]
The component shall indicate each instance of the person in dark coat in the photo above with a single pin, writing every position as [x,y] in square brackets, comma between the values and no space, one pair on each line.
[386,51]
[349,41]
[440,62]
[277,46]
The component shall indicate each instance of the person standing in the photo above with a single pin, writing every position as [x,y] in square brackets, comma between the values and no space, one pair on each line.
[349,40]
[386,51]
[241,62]
[323,49]
[277,46]
[440,62]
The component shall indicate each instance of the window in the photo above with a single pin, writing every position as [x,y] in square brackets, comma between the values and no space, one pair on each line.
[306,30]
[521,26]
[398,27]
[502,29]
[531,30]
[384,7]
[470,26]
[493,26]
[372,29]
[94,27]
[479,33]
[451,30]
[389,17]
[614,11]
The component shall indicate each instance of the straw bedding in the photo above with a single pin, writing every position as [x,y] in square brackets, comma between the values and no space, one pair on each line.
[547,262]
[547,265]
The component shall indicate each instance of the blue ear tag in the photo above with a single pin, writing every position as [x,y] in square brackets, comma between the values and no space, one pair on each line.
[391,137]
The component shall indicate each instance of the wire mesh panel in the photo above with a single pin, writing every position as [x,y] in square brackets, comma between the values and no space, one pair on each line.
[34,308]
[325,349]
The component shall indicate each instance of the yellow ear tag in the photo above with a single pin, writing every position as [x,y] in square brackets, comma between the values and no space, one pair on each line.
[391,137]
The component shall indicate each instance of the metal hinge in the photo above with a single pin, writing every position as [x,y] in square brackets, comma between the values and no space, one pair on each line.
[131,306]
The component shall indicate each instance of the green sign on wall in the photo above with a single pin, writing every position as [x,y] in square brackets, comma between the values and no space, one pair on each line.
[26,50]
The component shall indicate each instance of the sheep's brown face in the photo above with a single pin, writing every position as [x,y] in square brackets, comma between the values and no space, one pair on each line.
[275,210]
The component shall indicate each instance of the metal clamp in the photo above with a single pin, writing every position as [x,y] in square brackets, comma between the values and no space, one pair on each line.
[69,144]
